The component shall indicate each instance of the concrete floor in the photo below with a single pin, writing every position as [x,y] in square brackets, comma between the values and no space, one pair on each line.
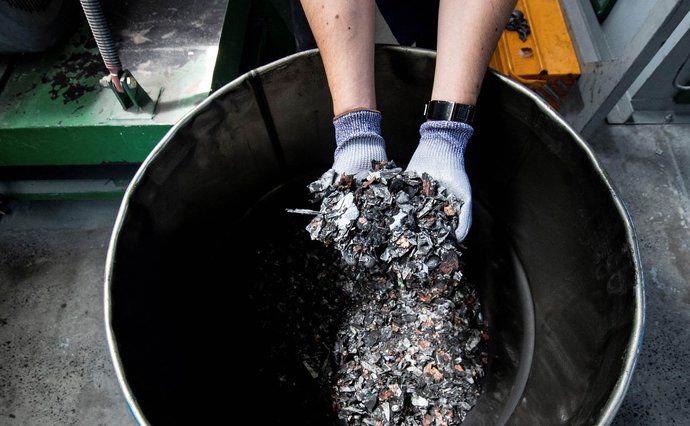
[54,363]
[55,368]
[650,166]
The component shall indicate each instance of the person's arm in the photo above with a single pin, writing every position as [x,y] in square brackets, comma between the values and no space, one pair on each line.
[468,32]
[344,33]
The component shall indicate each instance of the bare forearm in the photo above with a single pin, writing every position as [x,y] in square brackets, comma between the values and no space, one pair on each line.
[468,31]
[344,32]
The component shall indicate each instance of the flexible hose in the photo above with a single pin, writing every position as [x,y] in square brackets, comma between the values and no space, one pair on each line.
[99,29]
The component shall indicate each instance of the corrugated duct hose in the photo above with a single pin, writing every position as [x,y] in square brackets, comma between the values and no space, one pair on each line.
[99,29]
[122,82]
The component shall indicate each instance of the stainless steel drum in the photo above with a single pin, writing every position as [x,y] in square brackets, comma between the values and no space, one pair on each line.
[552,250]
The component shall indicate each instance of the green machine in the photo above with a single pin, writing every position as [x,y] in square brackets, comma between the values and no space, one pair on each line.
[66,132]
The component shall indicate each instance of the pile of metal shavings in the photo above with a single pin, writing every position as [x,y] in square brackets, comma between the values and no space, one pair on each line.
[410,357]
[299,295]
[394,221]
[343,351]
[412,344]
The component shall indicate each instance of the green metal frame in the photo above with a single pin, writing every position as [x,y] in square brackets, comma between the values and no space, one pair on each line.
[78,145]
[254,34]
[54,111]
[55,114]
[602,8]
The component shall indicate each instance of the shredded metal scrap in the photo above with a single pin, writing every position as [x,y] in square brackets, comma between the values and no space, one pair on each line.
[395,220]
[518,23]
[411,347]
[407,357]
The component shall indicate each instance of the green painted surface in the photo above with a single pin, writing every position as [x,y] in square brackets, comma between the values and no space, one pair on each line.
[53,110]
[254,33]
[228,64]
[57,89]
[602,8]
[78,145]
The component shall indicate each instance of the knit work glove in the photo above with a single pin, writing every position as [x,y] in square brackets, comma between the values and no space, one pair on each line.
[441,154]
[358,141]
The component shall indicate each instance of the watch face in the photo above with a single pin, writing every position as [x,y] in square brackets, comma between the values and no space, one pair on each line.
[444,110]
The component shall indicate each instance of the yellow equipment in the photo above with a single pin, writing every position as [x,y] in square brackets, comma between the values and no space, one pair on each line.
[546,60]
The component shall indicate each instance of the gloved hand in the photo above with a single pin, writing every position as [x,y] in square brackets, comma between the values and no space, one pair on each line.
[358,141]
[441,154]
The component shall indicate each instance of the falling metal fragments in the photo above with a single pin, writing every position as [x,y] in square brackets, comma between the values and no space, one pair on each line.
[412,345]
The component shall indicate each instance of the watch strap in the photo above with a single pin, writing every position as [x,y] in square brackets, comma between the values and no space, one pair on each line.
[449,111]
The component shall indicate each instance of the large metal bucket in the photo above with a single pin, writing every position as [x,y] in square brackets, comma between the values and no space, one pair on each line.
[552,249]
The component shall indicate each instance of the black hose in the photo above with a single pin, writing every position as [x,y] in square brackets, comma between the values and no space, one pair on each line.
[99,28]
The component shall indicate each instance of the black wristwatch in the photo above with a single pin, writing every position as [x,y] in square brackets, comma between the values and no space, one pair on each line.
[450,111]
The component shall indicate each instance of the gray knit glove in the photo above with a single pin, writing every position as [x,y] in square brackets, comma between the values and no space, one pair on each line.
[441,154]
[358,141]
